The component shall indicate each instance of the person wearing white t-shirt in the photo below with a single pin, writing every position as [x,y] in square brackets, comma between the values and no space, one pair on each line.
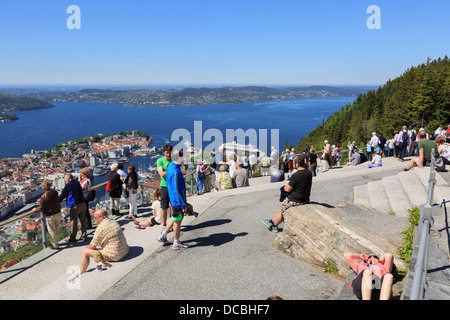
[376,161]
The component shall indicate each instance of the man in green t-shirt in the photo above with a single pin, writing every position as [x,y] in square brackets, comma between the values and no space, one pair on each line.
[161,165]
[424,146]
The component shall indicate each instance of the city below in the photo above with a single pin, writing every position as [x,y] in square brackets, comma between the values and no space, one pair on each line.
[20,178]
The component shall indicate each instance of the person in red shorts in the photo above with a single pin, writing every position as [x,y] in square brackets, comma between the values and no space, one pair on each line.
[374,277]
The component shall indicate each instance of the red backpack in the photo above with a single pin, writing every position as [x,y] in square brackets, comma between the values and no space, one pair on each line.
[108,187]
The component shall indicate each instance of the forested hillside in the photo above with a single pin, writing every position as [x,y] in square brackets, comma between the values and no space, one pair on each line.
[418,98]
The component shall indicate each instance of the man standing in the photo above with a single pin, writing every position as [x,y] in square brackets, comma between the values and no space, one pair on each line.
[299,189]
[176,187]
[115,193]
[403,142]
[73,194]
[161,165]
[109,237]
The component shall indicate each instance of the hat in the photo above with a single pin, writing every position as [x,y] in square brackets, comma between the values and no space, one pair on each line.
[204,162]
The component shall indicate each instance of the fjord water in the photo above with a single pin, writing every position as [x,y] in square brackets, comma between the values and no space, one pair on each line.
[45,128]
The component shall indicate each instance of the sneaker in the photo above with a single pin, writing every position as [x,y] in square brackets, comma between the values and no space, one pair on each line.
[270,226]
[179,246]
[162,239]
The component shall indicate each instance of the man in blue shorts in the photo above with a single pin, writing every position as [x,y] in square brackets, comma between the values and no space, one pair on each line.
[177,193]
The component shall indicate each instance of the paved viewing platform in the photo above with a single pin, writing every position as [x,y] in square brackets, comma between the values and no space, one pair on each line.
[230,254]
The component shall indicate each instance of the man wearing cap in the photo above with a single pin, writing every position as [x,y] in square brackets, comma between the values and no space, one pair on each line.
[298,191]
[376,160]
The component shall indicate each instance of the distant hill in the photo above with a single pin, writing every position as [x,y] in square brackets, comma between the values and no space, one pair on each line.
[196,96]
[418,98]
[10,103]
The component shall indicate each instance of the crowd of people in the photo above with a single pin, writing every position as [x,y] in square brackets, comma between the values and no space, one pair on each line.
[109,243]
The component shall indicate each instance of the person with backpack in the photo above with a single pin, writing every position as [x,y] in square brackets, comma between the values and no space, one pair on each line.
[412,135]
[403,140]
[114,188]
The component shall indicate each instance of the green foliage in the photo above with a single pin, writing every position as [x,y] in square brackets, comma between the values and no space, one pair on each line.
[405,251]
[418,98]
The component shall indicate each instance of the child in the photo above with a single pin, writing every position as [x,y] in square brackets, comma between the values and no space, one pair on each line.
[156,218]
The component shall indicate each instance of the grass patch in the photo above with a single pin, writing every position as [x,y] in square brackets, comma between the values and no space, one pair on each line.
[405,251]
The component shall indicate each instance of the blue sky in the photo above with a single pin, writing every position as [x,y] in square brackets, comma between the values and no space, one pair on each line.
[215,42]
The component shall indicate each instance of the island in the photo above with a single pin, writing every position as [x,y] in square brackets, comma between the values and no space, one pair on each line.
[9,103]
[196,96]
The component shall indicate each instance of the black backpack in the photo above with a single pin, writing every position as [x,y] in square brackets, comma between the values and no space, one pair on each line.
[405,137]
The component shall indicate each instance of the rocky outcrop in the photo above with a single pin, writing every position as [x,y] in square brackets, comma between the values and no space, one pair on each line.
[318,234]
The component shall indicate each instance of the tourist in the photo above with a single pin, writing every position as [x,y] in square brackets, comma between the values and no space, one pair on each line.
[253,164]
[131,185]
[109,238]
[299,189]
[412,135]
[277,175]
[374,141]
[396,144]
[369,151]
[350,149]
[73,194]
[327,155]
[355,159]
[123,175]
[274,157]
[382,143]
[199,177]
[424,159]
[244,160]
[374,277]
[448,129]
[291,160]
[443,149]
[265,165]
[439,131]
[161,165]
[232,158]
[376,160]
[50,207]
[312,158]
[207,182]
[403,142]
[155,219]
[223,181]
[86,187]
[176,187]
[336,155]
[116,183]
[240,176]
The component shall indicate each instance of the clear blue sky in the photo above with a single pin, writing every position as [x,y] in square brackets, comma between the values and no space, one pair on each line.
[218,42]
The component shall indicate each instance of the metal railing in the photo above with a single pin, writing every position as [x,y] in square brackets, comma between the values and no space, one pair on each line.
[190,185]
[428,210]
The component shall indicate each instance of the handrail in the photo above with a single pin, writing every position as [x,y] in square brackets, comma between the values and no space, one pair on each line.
[420,285]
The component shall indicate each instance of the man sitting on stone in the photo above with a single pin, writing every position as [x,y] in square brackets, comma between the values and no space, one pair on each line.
[298,188]
[424,158]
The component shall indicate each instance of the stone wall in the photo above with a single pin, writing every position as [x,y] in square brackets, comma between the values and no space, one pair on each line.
[315,233]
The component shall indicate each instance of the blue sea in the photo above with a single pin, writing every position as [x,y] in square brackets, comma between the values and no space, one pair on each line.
[44,128]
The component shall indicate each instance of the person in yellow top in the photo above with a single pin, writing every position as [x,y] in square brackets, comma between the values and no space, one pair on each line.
[109,237]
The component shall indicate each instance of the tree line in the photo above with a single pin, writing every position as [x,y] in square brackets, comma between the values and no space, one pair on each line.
[419,98]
